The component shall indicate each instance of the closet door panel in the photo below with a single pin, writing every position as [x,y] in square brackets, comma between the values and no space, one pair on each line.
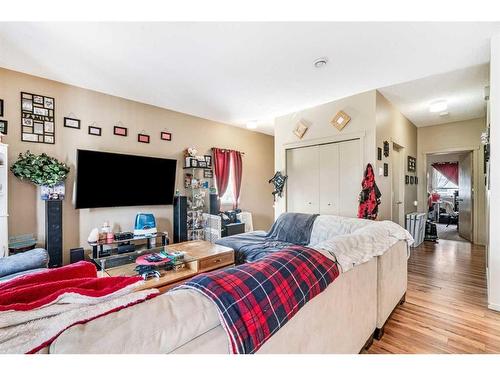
[329,179]
[350,177]
[302,168]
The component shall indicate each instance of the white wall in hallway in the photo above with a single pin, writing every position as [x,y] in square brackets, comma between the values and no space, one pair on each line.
[494,240]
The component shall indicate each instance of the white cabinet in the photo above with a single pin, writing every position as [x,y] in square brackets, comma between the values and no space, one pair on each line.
[324,179]
[3,200]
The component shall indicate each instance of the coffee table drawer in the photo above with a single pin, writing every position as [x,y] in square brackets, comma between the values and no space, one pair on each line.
[215,261]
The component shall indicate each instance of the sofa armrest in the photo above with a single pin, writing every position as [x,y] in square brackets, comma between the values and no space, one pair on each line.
[32,259]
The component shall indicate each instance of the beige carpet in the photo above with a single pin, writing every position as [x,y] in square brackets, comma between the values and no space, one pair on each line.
[449,233]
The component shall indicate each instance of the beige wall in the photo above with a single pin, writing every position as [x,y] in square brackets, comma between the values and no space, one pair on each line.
[393,127]
[26,208]
[451,137]
[360,107]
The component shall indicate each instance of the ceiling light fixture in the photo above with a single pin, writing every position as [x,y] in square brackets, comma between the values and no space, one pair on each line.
[438,106]
[320,63]
[252,124]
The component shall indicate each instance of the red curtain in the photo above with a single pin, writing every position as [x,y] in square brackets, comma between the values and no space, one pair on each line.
[449,170]
[237,173]
[221,169]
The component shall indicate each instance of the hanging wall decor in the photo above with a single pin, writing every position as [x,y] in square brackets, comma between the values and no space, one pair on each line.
[386,169]
[416,180]
[300,129]
[412,180]
[143,138]
[208,173]
[379,153]
[3,127]
[166,136]
[94,130]
[1,107]
[407,179]
[412,164]
[37,118]
[340,120]
[386,149]
[71,123]
[278,181]
[120,130]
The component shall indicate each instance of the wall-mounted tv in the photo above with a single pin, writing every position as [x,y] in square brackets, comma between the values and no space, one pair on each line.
[105,179]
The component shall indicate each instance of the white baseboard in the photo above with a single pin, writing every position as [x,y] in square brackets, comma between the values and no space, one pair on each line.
[494,306]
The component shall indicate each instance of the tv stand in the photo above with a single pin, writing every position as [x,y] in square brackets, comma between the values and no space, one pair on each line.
[98,246]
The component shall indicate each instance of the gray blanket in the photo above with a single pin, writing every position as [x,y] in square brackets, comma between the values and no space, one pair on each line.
[289,229]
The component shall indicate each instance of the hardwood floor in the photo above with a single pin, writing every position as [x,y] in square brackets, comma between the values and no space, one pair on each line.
[446,304]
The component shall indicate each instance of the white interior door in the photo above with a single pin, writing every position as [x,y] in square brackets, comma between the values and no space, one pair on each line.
[350,175]
[302,168]
[465,196]
[329,179]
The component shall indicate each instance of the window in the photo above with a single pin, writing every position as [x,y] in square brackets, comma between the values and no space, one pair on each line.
[227,198]
[441,182]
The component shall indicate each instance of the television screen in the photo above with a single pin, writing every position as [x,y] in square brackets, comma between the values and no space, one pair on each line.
[105,179]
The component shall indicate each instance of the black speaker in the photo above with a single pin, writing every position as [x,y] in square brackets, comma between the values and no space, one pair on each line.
[53,232]
[76,255]
[180,219]
[214,204]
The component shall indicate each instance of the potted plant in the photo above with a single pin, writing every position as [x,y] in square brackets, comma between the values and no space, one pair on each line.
[44,171]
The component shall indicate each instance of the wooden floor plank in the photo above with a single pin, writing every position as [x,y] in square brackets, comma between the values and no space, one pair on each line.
[446,304]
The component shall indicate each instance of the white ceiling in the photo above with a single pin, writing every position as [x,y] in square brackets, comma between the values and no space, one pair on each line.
[462,89]
[236,72]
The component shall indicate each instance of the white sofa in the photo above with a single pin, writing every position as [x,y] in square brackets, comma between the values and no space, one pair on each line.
[342,319]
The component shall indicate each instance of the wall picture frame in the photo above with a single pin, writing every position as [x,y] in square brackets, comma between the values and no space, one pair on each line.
[95,130]
[407,180]
[120,130]
[412,180]
[386,169]
[340,120]
[208,173]
[300,129]
[386,149]
[379,153]
[3,127]
[1,107]
[412,164]
[72,123]
[37,118]
[166,136]
[416,180]
[143,138]
[208,159]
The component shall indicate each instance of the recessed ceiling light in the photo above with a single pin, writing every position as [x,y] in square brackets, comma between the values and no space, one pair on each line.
[252,125]
[321,62]
[438,106]
[446,113]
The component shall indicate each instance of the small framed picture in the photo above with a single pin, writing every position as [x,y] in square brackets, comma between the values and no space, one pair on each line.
[166,136]
[416,180]
[120,130]
[386,149]
[3,126]
[407,179]
[386,169]
[27,122]
[208,160]
[379,153]
[38,99]
[1,107]
[202,164]
[48,102]
[208,173]
[94,130]
[27,105]
[71,123]
[340,120]
[300,129]
[412,180]
[194,163]
[143,138]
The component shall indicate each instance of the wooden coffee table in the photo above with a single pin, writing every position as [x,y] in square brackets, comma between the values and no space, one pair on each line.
[202,256]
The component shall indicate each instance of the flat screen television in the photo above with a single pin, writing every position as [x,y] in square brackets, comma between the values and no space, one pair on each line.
[105,179]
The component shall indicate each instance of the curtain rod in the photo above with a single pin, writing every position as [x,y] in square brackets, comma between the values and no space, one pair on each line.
[227,149]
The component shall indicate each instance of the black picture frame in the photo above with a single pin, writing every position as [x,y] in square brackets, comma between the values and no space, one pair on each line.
[379,153]
[1,107]
[202,164]
[208,173]
[120,131]
[143,138]
[4,126]
[416,180]
[208,160]
[386,169]
[166,136]
[407,179]
[412,164]
[95,130]
[38,124]
[67,121]
[412,180]
[386,149]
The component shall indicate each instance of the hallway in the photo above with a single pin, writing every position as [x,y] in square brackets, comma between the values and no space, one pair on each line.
[445,309]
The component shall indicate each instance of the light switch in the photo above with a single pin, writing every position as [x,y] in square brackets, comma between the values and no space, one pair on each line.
[381,171]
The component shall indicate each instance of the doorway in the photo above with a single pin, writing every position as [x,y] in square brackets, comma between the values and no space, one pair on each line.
[450,194]
[398,185]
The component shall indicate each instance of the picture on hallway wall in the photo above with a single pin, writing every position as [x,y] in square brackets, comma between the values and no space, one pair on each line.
[37,118]
[412,164]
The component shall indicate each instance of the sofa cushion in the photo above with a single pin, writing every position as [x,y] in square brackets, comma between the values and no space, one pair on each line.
[29,260]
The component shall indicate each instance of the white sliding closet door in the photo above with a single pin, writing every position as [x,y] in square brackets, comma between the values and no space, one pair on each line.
[350,177]
[329,185]
[302,165]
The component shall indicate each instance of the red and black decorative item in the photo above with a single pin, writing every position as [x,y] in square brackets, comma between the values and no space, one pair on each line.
[166,136]
[143,138]
[120,130]
[369,198]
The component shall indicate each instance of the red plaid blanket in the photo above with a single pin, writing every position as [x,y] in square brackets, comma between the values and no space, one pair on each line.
[256,299]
